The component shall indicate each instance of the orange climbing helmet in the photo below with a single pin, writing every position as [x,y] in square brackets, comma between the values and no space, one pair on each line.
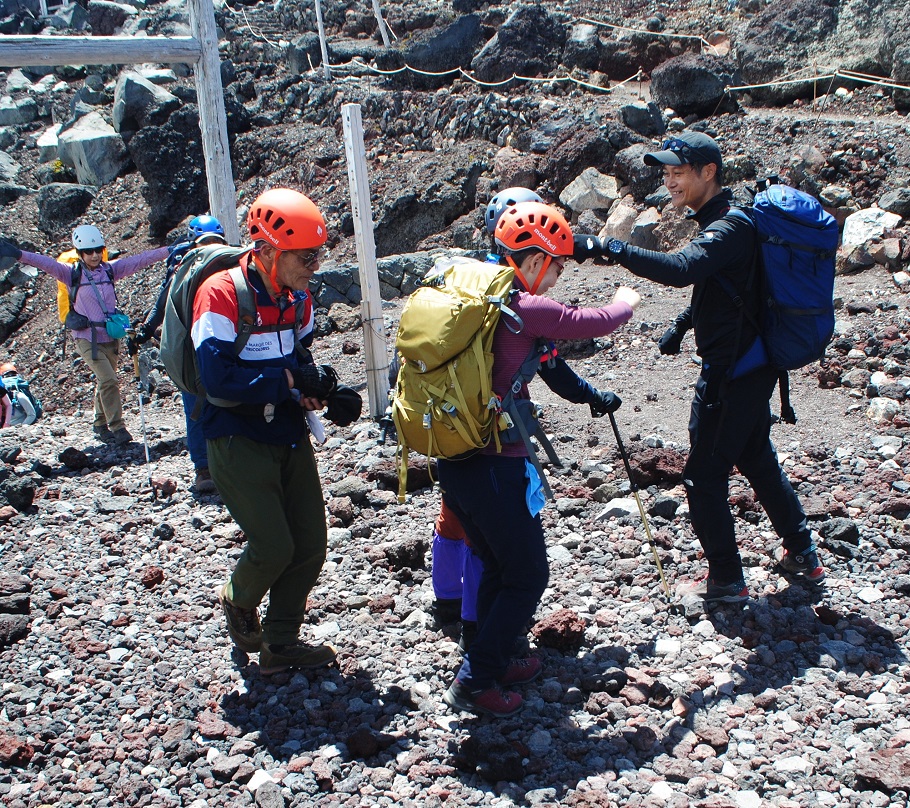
[6,368]
[287,220]
[534,225]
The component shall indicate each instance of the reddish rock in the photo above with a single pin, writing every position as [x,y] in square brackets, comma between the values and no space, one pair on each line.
[342,508]
[211,726]
[563,630]
[14,751]
[382,603]
[887,770]
[7,512]
[652,466]
[152,577]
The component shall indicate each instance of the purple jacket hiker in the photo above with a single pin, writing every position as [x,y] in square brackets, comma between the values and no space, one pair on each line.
[86,300]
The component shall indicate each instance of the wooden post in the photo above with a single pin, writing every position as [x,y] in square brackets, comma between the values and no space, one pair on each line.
[383,29]
[327,71]
[374,341]
[213,120]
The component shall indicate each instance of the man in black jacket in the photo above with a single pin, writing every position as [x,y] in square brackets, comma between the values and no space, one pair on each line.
[730,419]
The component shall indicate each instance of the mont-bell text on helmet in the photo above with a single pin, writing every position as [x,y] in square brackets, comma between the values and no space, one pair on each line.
[543,237]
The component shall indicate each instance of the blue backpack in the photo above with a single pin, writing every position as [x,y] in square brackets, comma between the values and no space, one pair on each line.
[796,321]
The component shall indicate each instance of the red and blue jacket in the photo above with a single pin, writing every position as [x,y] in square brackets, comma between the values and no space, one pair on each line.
[256,377]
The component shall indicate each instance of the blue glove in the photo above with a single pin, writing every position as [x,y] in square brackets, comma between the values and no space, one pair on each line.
[9,250]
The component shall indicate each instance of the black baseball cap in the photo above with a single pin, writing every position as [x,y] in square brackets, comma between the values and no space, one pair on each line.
[686,148]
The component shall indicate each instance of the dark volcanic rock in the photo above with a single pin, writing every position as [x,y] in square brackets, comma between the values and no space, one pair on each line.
[529,43]
[695,83]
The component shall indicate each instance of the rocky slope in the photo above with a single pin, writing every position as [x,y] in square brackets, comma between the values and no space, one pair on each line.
[120,686]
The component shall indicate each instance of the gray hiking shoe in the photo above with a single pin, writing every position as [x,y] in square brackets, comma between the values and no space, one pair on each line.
[103,433]
[122,436]
[804,563]
[298,655]
[242,624]
[711,591]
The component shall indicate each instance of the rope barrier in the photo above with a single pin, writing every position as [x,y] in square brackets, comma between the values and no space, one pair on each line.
[861,78]
[649,33]
[784,80]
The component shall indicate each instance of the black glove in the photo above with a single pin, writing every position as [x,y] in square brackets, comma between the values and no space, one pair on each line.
[671,341]
[9,250]
[604,403]
[143,334]
[315,381]
[345,405]
[588,246]
[132,347]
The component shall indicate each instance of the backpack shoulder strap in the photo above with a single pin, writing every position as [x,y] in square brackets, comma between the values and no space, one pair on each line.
[246,308]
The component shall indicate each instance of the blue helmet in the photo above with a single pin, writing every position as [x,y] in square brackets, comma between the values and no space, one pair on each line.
[506,199]
[204,225]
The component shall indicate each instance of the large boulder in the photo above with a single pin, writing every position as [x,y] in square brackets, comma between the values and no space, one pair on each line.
[22,110]
[900,72]
[577,147]
[529,43]
[695,84]
[139,103]
[444,48]
[630,167]
[780,41]
[590,190]
[9,168]
[61,203]
[107,18]
[93,149]
[171,162]
[583,47]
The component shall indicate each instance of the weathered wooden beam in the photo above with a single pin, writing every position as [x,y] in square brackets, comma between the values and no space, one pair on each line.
[374,340]
[22,51]
[213,120]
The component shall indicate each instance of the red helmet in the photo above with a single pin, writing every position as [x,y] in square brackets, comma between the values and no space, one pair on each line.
[534,225]
[286,219]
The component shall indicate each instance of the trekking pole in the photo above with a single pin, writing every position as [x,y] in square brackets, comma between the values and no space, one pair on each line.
[641,509]
[145,442]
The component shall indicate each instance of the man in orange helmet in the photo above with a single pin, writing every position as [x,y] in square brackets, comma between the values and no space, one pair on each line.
[259,452]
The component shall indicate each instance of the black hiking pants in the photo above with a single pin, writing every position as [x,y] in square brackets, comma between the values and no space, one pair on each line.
[730,425]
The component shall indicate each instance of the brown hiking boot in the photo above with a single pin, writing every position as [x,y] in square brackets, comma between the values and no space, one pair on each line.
[242,624]
[122,436]
[275,658]
[204,483]
[103,433]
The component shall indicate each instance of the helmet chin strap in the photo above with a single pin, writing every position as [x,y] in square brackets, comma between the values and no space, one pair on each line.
[273,272]
[520,275]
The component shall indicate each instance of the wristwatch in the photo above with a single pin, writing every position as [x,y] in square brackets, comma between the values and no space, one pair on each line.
[615,248]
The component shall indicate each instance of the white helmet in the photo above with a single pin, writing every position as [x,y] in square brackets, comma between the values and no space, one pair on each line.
[87,236]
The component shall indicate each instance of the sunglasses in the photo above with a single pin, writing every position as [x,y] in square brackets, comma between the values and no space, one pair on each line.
[690,154]
[307,257]
[93,251]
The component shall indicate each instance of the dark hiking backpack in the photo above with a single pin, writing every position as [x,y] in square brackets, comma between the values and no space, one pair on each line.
[796,285]
[176,348]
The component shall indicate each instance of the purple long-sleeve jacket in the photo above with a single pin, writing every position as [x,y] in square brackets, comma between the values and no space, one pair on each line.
[104,277]
[544,318]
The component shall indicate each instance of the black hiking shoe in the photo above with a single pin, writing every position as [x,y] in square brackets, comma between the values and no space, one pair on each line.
[204,483]
[446,611]
[242,624]
[804,563]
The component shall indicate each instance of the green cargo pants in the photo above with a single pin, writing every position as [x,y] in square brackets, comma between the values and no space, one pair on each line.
[274,494]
